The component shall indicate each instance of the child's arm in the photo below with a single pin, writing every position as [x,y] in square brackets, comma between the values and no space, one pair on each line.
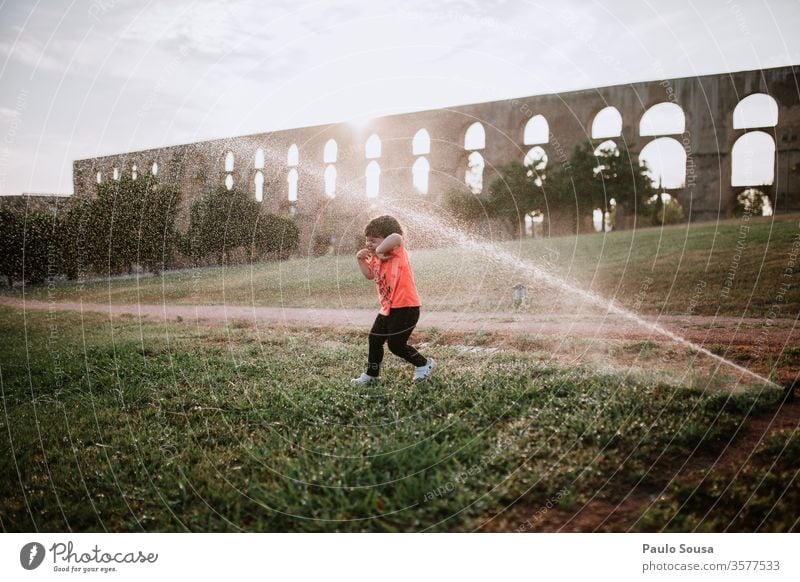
[363,262]
[390,243]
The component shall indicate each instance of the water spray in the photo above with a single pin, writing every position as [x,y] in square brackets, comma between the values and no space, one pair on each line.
[490,250]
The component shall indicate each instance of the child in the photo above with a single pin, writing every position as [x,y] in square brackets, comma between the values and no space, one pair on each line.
[385,261]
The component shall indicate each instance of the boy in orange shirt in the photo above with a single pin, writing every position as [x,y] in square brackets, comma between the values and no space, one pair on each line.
[385,261]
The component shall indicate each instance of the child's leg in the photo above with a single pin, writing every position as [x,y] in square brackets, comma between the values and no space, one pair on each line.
[377,337]
[400,324]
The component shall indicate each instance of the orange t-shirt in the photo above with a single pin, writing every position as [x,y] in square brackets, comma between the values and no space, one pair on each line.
[394,281]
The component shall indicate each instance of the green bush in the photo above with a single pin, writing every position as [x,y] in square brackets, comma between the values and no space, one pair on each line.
[663,213]
[30,246]
[224,221]
[130,222]
[275,237]
[750,201]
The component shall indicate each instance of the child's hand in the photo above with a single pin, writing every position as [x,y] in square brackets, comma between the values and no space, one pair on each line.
[364,255]
[384,256]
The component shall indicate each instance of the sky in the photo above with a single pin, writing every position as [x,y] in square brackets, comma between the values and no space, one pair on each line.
[81,78]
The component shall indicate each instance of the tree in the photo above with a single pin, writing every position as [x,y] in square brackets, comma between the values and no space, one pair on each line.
[29,243]
[11,237]
[157,230]
[73,223]
[516,194]
[511,196]
[131,222]
[275,236]
[225,220]
[663,212]
[463,204]
[589,181]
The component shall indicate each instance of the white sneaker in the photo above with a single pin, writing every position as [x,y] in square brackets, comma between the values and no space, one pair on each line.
[363,380]
[424,372]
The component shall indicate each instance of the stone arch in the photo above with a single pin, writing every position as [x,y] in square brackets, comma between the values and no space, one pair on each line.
[154,169]
[666,162]
[293,156]
[373,176]
[536,161]
[473,177]
[756,110]
[99,177]
[330,181]
[292,179]
[372,147]
[753,160]
[607,123]
[259,183]
[421,144]
[604,150]
[475,137]
[331,152]
[537,131]
[421,174]
[664,118]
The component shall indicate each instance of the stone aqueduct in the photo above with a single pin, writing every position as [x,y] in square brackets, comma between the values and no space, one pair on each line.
[280,165]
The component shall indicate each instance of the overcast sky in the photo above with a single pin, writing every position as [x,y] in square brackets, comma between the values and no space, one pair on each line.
[80,79]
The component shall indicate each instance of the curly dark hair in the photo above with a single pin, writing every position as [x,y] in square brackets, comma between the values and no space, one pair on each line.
[382,226]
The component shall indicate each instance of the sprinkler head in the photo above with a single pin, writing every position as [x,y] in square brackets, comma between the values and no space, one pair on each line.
[788,391]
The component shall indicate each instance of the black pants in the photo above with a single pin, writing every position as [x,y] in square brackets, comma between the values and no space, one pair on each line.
[394,329]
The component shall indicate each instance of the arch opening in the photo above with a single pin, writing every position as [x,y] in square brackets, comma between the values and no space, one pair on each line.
[259,182]
[373,176]
[421,173]
[662,119]
[372,149]
[475,137]
[607,123]
[537,131]
[292,179]
[753,160]
[602,152]
[756,110]
[536,161]
[293,156]
[474,174]
[330,181]
[666,162]
[331,152]
[421,144]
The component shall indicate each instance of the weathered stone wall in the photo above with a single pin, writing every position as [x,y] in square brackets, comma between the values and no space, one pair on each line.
[51,203]
[707,102]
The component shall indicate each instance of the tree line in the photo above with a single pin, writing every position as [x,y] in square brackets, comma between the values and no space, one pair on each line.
[132,223]
[610,180]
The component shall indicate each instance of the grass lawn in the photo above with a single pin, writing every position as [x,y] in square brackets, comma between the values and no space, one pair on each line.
[117,426]
[693,268]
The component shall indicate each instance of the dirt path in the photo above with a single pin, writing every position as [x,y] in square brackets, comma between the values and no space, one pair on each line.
[703,330]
